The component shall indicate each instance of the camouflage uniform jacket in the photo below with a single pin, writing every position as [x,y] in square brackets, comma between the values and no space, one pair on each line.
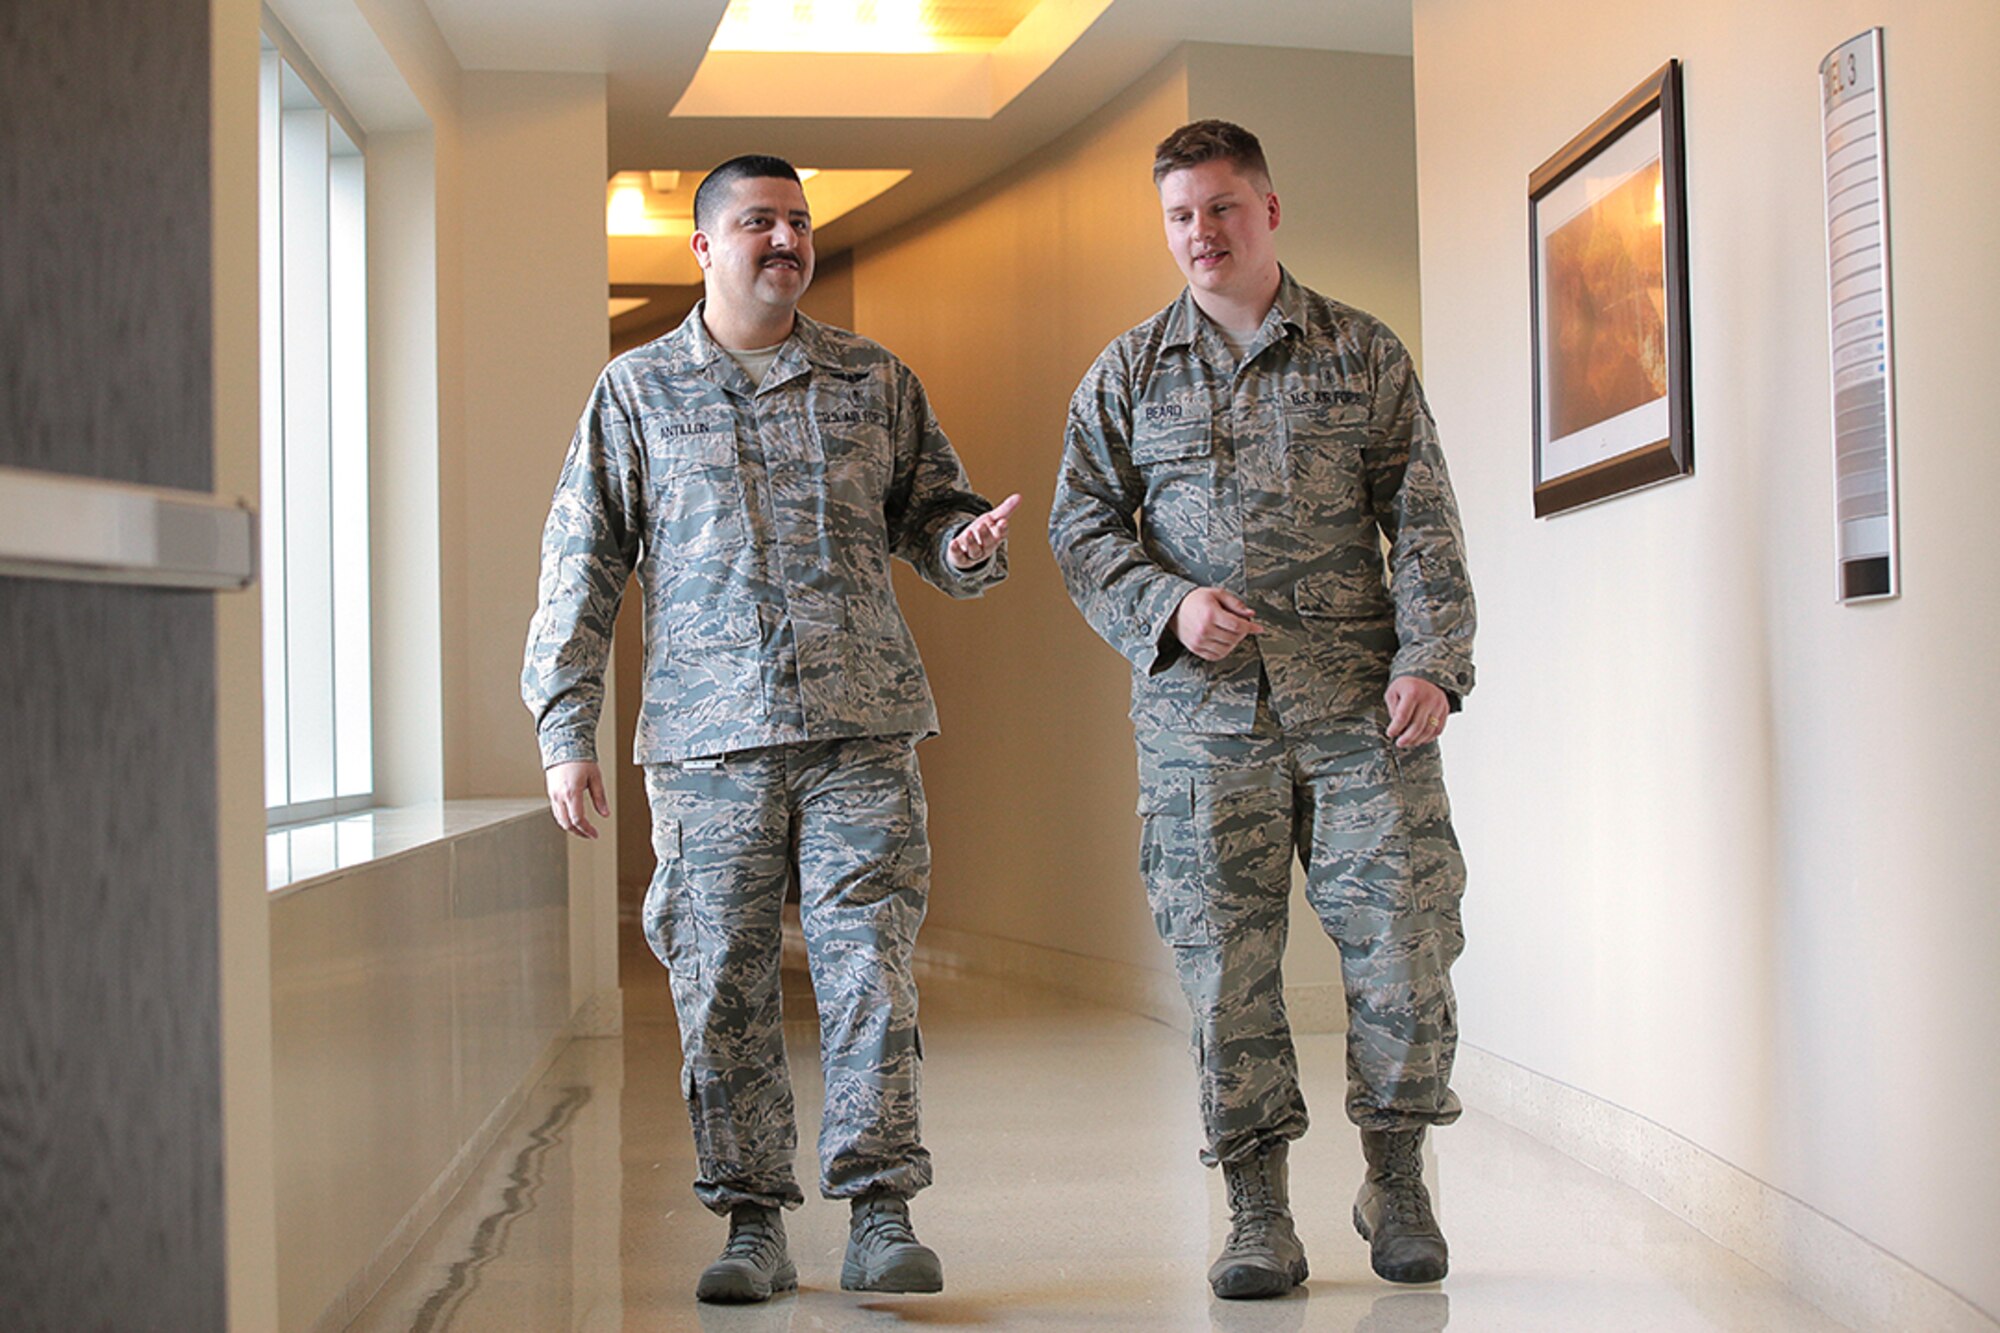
[1277,479]
[760,521]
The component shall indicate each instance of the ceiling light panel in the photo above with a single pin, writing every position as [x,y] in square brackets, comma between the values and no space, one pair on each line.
[636,204]
[868,26]
[882,59]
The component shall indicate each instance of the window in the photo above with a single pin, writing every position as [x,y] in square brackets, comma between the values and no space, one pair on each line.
[318,748]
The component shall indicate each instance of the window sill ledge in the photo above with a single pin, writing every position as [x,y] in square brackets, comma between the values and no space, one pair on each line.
[305,856]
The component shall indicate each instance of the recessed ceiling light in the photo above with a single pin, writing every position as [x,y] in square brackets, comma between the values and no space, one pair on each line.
[625,212]
[881,59]
[874,26]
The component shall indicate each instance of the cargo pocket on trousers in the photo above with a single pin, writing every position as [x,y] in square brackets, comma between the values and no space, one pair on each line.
[669,913]
[1436,866]
[716,1149]
[1360,843]
[1170,864]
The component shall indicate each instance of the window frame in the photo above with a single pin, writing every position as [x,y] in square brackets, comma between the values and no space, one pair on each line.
[319,760]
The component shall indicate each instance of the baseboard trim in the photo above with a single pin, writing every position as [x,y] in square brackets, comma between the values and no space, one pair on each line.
[600,1015]
[1844,1274]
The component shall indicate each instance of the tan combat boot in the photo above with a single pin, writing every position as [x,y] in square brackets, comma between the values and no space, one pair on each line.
[753,1264]
[1262,1256]
[1393,1211]
[883,1253]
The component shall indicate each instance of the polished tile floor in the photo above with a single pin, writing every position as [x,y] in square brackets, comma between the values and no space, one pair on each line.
[1068,1197]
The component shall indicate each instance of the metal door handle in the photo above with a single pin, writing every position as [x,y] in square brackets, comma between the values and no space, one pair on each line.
[54,526]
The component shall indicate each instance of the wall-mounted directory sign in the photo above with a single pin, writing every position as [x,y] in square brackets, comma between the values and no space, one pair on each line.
[1864,365]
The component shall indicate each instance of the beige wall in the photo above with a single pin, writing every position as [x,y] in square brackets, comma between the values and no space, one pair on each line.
[1000,301]
[403,477]
[830,299]
[535,339]
[1731,844]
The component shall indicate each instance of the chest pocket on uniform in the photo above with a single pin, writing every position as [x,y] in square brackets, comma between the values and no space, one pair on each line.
[1324,448]
[854,449]
[1175,457]
[700,493]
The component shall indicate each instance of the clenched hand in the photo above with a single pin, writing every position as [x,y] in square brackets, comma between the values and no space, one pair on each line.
[1210,622]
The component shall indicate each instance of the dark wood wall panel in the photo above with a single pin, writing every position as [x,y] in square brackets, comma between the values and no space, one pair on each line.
[104,264]
[110,1067]
[110,1076]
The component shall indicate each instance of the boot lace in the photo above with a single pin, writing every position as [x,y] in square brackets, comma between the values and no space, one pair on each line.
[1249,1233]
[1406,1207]
[1403,1157]
[752,1239]
[1253,1210]
[884,1224]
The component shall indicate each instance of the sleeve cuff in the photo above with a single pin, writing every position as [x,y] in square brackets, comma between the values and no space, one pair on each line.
[1160,648]
[975,578]
[1454,680]
[568,747]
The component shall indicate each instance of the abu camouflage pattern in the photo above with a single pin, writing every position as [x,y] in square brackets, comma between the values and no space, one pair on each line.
[852,812]
[760,521]
[1223,816]
[1278,481]
[1280,478]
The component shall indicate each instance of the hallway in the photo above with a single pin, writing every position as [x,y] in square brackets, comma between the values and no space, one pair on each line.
[1049,1118]
[301,301]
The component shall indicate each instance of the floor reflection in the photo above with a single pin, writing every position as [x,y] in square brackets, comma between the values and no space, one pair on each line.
[489,1237]
[1407,1312]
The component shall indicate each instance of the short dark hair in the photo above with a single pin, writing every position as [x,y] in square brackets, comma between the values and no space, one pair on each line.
[713,192]
[1210,141]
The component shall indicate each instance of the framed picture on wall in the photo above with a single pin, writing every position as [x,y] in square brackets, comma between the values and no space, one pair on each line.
[1607,229]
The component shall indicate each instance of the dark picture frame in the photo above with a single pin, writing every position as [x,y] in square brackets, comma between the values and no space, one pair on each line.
[1607,249]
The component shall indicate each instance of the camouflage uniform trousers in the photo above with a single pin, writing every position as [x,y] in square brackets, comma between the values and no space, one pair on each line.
[846,818]
[1371,825]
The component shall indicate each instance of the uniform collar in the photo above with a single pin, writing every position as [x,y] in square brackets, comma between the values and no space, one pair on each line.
[807,345]
[1287,313]
[814,344]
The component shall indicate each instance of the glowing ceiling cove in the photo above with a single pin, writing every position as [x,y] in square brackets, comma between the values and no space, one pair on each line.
[881,59]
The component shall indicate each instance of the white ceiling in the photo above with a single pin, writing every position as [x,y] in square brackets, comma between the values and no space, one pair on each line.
[649,50]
